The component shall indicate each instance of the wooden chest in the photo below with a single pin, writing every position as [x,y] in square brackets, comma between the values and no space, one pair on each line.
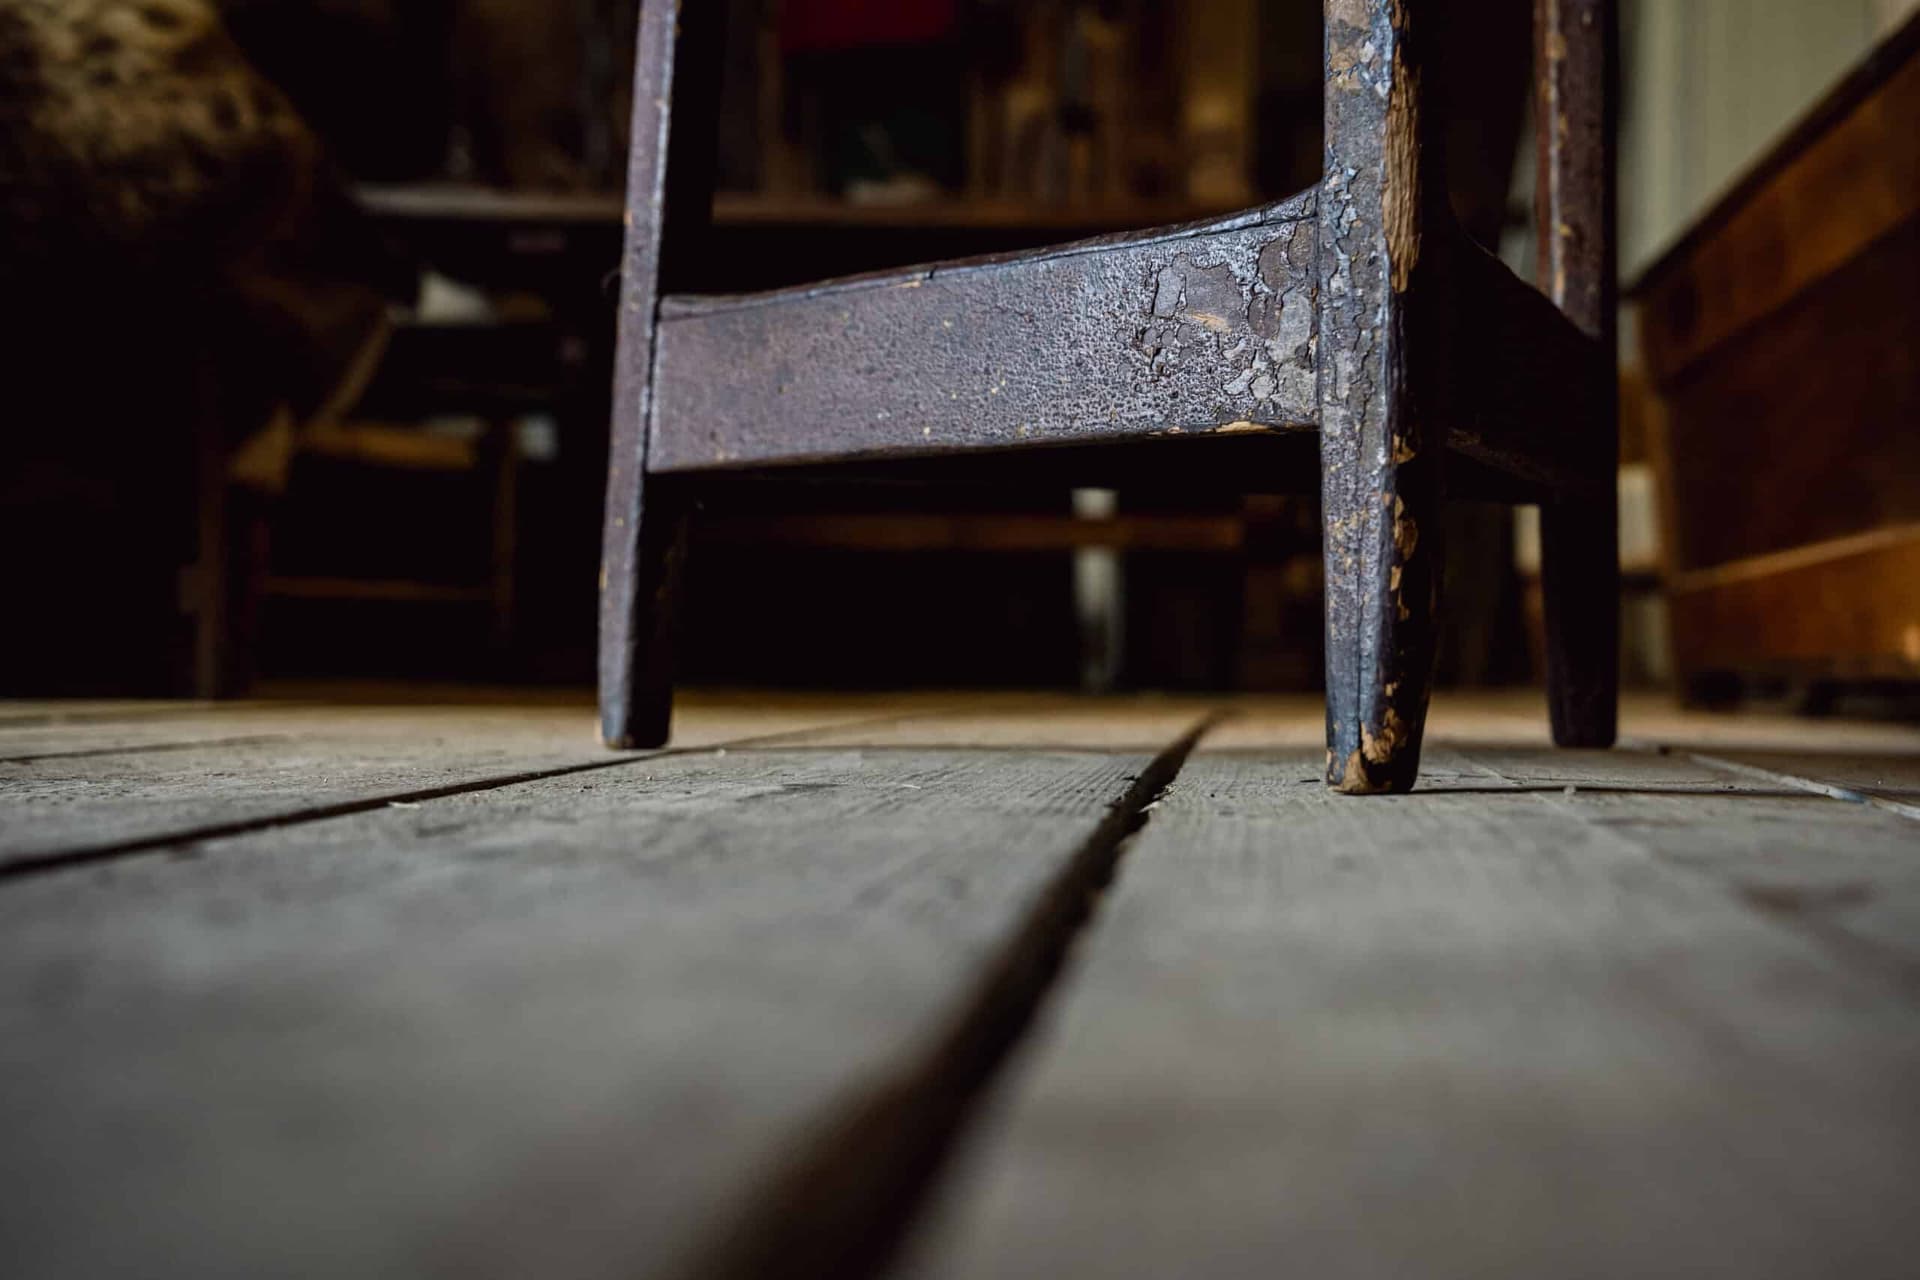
[1780,338]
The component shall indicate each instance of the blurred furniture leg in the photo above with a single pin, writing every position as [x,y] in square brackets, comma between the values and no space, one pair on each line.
[501,455]
[674,123]
[1576,64]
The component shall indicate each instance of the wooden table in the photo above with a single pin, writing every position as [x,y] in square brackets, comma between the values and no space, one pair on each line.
[951,987]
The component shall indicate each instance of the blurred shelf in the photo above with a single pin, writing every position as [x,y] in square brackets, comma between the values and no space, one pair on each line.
[400,446]
[740,210]
[559,243]
[292,588]
[980,532]
[447,202]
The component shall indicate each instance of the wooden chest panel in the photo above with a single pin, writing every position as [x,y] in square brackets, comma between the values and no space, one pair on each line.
[1780,339]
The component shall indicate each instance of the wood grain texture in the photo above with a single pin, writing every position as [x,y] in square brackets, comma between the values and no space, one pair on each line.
[567,1028]
[709,1013]
[1891,782]
[1762,825]
[1196,328]
[1485,1030]
[1762,458]
[72,807]
[1850,607]
[87,802]
[57,713]
[23,741]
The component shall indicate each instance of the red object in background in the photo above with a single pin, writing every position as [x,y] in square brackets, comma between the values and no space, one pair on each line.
[824,26]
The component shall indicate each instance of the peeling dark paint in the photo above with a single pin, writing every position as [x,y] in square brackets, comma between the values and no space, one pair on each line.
[1132,336]
[1376,384]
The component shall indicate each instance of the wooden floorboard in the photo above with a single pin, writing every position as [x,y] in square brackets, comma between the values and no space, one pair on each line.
[30,713]
[317,990]
[72,796]
[1886,782]
[1494,1029]
[566,1028]
[1845,873]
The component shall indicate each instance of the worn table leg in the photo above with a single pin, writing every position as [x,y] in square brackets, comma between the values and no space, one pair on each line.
[1576,64]
[642,582]
[675,98]
[1382,318]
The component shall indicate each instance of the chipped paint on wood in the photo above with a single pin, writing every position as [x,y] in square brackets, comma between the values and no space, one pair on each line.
[1377,392]
[1352,779]
[1381,747]
[1137,335]
[1406,534]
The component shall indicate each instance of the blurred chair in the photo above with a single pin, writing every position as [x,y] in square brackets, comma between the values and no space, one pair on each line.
[474,363]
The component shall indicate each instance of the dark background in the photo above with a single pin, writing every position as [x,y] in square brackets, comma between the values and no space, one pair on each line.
[375,244]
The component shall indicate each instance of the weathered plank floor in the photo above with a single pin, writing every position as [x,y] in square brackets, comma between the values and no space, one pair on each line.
[950,986]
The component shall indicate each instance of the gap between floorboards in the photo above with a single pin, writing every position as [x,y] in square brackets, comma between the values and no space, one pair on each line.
[1861,955]
[69,859]
[1832,790]
[842,1201]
